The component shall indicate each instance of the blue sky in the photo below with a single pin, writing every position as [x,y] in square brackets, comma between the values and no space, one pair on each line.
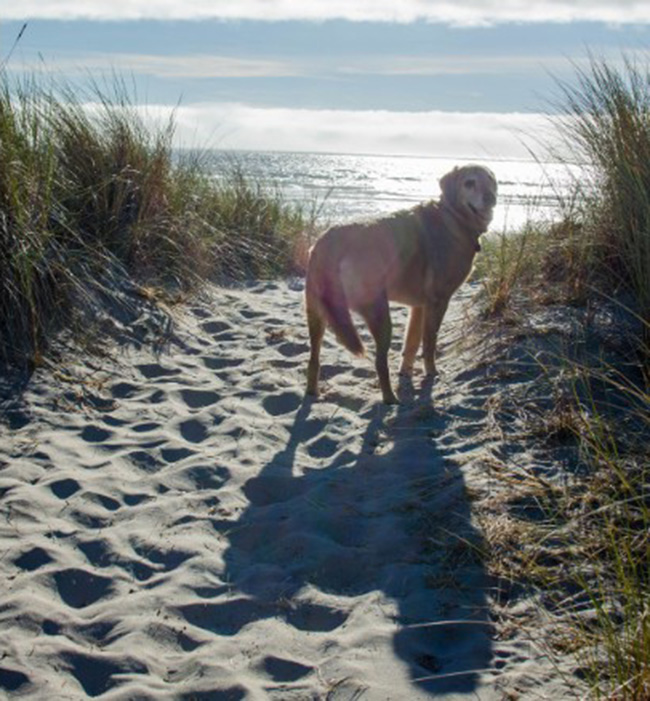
[413,77]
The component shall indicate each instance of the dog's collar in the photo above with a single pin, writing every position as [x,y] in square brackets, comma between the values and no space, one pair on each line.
[473,233]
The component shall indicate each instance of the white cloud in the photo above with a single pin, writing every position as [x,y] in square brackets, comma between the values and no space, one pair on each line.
[188,66]
[451,65]
[215,66]
[449,134]
[472,12]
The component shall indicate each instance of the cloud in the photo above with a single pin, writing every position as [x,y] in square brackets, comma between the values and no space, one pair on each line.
[451,65]
[215,66]
[449,134]
[189,66]
[468,13]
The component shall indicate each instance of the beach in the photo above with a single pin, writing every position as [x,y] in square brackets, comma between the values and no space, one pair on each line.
[180,522]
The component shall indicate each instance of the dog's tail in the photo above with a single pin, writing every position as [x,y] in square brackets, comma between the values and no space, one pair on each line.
[324,295]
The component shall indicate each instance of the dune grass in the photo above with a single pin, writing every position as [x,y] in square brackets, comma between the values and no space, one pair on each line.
[602,242]
[590,553]
[89,189]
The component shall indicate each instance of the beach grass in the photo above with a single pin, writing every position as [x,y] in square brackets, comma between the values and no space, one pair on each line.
[590,551]
[90,188]
[600,244]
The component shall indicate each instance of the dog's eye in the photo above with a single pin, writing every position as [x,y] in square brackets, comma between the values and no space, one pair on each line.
[470,184]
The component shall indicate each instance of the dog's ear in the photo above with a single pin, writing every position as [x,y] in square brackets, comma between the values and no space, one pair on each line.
[448,185]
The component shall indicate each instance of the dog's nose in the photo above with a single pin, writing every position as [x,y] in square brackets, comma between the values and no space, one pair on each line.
[489,199]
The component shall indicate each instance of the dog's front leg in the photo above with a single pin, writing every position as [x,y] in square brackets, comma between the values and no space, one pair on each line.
[433,315]
[412,340]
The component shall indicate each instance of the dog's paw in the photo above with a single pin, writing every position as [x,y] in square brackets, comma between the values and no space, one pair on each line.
[391,399]
[430,371]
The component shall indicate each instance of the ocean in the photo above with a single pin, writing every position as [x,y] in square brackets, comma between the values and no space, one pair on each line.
[348,187]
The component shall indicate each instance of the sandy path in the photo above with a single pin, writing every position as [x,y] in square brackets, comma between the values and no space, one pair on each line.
[185,526]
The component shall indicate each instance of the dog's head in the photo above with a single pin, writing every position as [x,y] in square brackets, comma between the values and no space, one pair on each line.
[471,191]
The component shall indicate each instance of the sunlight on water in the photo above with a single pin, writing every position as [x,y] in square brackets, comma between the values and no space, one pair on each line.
[355,187]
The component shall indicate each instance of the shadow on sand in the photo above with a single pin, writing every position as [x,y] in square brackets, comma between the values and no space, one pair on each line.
[391,519]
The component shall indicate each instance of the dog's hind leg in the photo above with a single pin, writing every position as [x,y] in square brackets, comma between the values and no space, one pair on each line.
[377,316]
[316,325]
[412,340]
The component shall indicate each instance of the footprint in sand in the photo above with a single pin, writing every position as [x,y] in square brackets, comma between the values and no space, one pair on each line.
[312,428]
[271,489]
[221,363]
[281,670]
[230,617]
[135,499]
[204,477]
[172,455]
[107,502]
[79,588]
[33,559]
[155,371]
[11,679]
[65,488]
[329,372]
[172,638]
[96,552]
[97,632]
[315,618]
[230,693]
[95,434]
[113,421]
[145,461]
[291,349]
[193,431]
[97,674]
[167,559]
[157,397]
[198,398]
[146,427]
[216,327]
[16,418]
[98,555]
[279,404]
[324,447]
[364,373]
[285,364]
[251,313]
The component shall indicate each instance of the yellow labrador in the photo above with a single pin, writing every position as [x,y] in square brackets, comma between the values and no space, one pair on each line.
[417,257]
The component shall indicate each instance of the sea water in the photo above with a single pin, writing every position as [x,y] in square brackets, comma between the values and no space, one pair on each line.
[342,188]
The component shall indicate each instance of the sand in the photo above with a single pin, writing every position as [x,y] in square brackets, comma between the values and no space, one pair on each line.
[186,525]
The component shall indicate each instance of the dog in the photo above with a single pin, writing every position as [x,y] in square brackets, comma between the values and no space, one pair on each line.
[418,257]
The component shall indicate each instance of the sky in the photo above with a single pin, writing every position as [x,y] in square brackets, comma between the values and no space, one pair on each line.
[472,79]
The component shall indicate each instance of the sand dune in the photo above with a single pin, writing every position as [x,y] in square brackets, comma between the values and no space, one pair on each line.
[185,525]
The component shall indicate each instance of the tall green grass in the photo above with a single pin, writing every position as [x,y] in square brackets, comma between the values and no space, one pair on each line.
[606,124]
[89,189]
[610,507]
[602,244]
[599,250]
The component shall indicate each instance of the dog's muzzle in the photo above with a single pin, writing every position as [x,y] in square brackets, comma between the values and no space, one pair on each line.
[483,215]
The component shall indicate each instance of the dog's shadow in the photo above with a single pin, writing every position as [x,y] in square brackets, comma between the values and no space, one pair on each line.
[408,393]
[394,521]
